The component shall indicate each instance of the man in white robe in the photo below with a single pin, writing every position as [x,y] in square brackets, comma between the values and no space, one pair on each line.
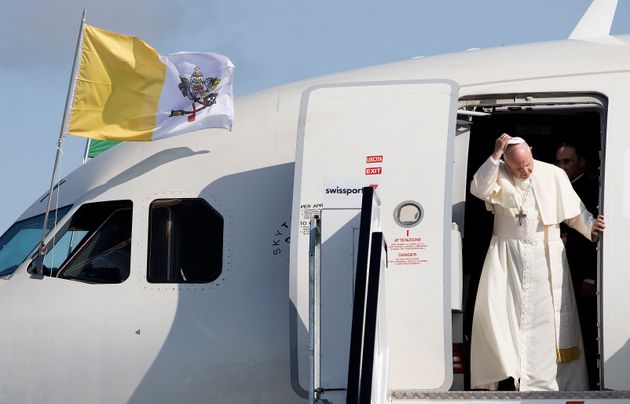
[525,323]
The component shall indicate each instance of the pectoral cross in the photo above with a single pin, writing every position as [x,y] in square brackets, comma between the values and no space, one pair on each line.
[521,215]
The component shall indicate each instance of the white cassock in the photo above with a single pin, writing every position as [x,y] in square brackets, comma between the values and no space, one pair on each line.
[525,323]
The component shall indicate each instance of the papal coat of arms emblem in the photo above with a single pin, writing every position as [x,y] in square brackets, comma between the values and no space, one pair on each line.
[198,89]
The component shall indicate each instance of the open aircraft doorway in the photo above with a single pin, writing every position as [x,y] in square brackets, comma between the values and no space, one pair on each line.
[546,122]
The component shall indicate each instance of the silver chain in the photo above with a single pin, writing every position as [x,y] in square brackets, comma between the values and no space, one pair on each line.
[522,204]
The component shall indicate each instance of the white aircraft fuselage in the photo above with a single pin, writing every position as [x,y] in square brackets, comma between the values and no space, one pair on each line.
[241,338]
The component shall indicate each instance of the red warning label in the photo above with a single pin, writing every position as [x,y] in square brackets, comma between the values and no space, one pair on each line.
[374,159]
[407,251]
[373,170]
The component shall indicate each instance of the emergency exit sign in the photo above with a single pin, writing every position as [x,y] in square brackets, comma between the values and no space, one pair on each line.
[373,171]
[374,159]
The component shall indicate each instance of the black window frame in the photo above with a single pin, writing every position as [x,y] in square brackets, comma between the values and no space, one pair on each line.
[100,220]
[177,236]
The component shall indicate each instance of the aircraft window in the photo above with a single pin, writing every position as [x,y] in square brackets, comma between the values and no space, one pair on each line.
[408,214]
[185,241]
[23,237]
[95,246]
[63,247]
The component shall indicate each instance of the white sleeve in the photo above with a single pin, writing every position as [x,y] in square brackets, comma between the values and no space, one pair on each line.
[484,181]
[583,223]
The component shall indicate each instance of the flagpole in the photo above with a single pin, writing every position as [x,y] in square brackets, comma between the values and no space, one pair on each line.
[64,125]
[86,153]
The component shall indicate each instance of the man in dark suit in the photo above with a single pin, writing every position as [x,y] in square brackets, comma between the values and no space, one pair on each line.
[581,253]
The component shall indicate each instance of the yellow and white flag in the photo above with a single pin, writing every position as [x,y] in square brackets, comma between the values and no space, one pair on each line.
[126,91]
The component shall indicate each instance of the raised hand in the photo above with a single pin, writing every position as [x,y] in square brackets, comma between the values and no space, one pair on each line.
[499,146]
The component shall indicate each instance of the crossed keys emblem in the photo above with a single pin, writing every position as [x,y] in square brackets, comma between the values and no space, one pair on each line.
[198,89]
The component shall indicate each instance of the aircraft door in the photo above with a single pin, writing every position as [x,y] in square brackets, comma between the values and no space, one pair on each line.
[397,137]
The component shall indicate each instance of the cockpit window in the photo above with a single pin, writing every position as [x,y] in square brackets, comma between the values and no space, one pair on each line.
[185,241]
[95,246]
[22,238]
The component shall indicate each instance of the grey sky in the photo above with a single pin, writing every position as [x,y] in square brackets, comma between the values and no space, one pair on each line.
[271,43]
